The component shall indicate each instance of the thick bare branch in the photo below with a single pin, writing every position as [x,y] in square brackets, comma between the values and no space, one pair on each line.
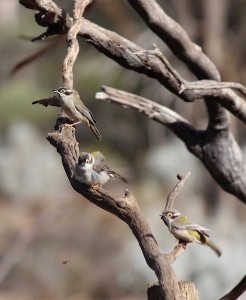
[188,52]
[180,126]
[187,289]
[149,63]
[210,90]
[210,85]
[217,149]
[203,84]
[126,208]
[176,38]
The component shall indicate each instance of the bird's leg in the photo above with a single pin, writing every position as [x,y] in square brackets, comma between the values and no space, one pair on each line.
[96,186]
[182,243]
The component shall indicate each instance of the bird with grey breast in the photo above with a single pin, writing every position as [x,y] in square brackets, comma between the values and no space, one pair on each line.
[186,231]
[92,170]
[75,109]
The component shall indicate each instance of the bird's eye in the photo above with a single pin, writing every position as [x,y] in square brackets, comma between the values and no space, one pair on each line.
[169,214]
[62,91]
[87,161]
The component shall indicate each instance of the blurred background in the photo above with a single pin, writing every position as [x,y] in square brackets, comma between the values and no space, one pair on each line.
[54,243]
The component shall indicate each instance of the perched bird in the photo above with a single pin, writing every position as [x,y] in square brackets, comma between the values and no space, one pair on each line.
[75,109]
[186,231]
[92,170]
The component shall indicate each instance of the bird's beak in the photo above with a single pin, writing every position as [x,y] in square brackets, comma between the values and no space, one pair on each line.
[55,91]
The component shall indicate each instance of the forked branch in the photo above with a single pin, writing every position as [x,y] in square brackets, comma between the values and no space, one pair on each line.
[125,208]
[133,57]
[217,150]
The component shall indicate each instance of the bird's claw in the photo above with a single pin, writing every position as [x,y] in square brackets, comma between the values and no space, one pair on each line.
[96,186]
[182,244]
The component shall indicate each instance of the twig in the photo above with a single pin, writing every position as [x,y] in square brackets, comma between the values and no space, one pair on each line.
[50,101]
[177,251]
[73,44]
[174,193]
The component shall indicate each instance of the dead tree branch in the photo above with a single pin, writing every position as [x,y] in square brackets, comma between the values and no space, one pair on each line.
[133,57]
[174,193]
[238,290]
[125,208]
[215,146]
[180,44]
[50,101]
[218,151]
[73,44]
[176,38]
[207,89]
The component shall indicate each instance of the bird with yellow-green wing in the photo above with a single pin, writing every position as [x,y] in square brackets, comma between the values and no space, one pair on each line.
[92,170]
[186,231]
[75,109]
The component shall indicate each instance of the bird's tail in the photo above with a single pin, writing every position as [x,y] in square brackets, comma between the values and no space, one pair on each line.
[118,176]
[95,131]
[213,246]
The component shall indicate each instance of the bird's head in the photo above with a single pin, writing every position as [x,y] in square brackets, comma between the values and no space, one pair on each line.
[64,92]
[170,215]
[85,161]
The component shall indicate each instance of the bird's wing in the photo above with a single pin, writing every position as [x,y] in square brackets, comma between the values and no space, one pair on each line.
[84,111]
[191,226]
[99,164]
[201,229]
[116,175]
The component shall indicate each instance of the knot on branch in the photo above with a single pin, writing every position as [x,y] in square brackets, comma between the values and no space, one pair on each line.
[128,193]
